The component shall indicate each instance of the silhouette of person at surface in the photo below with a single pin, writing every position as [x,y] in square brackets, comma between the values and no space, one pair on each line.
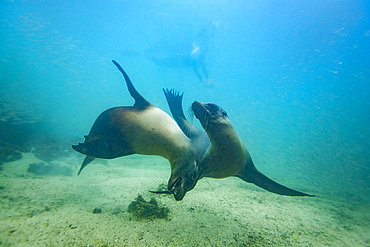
[199,52]
[183,52]
[198,57]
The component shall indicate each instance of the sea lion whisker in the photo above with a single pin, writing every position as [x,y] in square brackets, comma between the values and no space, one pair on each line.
[205,121]
[190,113]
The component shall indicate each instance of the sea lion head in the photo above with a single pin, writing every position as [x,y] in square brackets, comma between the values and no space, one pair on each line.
[210,115]
[184,176]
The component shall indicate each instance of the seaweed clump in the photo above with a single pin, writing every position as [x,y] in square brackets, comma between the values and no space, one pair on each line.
[141,209]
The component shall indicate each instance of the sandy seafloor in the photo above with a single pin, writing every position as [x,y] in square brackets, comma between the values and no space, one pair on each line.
[57,210]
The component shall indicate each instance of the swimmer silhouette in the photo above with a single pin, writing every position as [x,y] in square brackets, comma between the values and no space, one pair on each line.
[185,52]
[198,57]
[200,50]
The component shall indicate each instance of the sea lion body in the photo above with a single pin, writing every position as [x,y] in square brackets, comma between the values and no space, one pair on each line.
[227,155]
[126,130]
[231,152]
[142,129]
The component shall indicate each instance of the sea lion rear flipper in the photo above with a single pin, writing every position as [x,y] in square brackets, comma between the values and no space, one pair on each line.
[250,174]
[174,100]
[87,160]
[103,148]
[140,101]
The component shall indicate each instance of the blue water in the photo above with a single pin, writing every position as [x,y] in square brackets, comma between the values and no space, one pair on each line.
[293,76]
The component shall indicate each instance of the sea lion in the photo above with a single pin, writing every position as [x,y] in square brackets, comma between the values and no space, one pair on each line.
[224,148]
[227,155]
[142,129]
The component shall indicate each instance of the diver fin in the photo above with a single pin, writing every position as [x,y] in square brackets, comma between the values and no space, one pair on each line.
[87,160]
[140,101]
[104,148]
[250,174]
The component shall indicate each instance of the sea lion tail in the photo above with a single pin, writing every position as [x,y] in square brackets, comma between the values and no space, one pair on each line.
[140,101]
[250,174]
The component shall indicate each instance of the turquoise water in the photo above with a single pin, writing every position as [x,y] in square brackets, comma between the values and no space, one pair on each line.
[293,77]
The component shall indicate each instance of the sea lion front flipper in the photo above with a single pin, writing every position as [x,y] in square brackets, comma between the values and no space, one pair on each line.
[140,101]
[168,192]
[250,174]
[103,148]
[87,160]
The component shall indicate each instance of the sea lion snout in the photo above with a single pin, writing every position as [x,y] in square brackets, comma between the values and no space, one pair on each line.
[207,110]
[182,180]
[176,186]
[198,109]
[179,186]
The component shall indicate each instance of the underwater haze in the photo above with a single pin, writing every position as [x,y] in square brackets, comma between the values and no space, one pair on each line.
[293,77]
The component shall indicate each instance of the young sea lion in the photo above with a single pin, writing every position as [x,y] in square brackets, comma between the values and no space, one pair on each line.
[227,155]
[142,129]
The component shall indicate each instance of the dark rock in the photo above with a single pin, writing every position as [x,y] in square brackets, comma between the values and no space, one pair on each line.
[9,153]
[97,211]
[72,226]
